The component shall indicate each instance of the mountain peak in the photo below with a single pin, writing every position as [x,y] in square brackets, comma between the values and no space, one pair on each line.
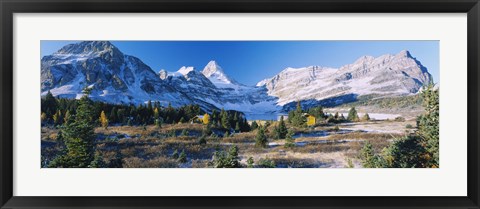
[217,76]
[211,68]
[185,70]
[404,53]
[87,47]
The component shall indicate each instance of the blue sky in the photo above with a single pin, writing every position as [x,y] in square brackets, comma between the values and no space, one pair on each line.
[251,61]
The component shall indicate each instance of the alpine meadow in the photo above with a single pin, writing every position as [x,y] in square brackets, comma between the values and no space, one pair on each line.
[239,104]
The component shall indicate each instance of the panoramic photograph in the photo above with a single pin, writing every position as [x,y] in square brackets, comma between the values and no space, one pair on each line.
[239,104]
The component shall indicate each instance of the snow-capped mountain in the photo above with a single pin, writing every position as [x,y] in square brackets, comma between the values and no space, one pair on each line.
[387,75]
[118,78]
[229,94]
[112,76]
[215,73]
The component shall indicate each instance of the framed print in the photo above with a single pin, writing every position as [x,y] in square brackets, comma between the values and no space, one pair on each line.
[265,104]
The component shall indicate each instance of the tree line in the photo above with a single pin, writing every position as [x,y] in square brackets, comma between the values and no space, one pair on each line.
[57,111]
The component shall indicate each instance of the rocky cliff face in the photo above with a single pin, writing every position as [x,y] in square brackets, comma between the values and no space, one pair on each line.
[388,75]
[112,76]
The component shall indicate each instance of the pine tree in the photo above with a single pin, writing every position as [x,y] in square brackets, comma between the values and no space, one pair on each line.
[182,158]
[369,158]
[260,138]
[184,132]
[158,123]
[297,116]
[428,124]
[254,125]
[103,120]
[289,140]
[224,120]
[79,138]
[366,117]
[237,127]
[352,115]
[282,129]
[250,162]
[57,118]
[67,116]
[232,157]
[50,104]
[226,160]
[175,154]
[207,129]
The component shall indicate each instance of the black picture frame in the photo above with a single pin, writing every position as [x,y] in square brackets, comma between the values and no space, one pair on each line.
[9,7]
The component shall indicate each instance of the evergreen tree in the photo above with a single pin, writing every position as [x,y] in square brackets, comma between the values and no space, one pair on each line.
[245,127]
[282,129]
[237,127]
[224,120]
[261,138]
[254,125]
[175,154]
[66,118]
[317,112]
[250,162]
[366,117]
[226,160]
[420,149]
[79,138]
[289,140]
[98,162]
[369,158]
[352,115]
[103,120]
[184,132]
[158,123]
[406,152]
[428,125]
[182,158]
[207,129]
[50,105]
[297,116]
[57,118]
[232,157]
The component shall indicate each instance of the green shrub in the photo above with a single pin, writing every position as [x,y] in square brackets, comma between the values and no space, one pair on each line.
[226,160]
[266,163]
[182,158]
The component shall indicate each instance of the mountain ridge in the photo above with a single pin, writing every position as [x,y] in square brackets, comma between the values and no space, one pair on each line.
[118,78]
